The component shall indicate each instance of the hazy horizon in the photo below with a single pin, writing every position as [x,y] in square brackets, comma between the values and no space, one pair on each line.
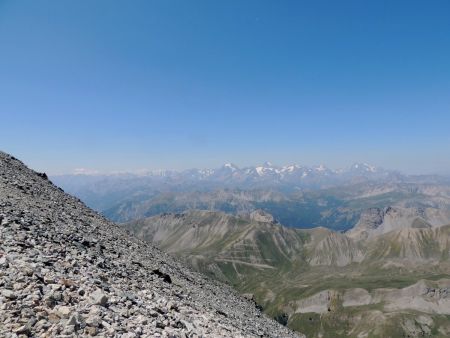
[147,170]
[123,86]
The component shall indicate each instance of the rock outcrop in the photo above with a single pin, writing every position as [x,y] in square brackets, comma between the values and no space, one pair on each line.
[66,271]
[376,221]
[261,216]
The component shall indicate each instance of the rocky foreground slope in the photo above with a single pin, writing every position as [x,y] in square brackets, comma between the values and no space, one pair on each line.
[66,271]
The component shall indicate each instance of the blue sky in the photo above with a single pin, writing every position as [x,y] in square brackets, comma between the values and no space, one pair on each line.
[126,85]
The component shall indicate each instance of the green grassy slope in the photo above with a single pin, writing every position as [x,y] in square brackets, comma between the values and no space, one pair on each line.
[286,269]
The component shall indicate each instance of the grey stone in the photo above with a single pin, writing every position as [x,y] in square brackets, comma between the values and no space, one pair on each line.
[63,311]
[3,262]
[9,294]
[99,298]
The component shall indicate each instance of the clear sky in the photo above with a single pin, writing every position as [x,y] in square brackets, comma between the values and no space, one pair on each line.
[124,85]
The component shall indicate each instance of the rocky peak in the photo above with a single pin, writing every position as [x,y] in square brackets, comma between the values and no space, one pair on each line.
[261,216]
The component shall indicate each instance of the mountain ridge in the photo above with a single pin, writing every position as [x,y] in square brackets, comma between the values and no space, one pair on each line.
[267,166]
[328,283]
[320,199]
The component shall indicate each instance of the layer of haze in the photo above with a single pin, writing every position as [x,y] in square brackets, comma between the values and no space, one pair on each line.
[123,85]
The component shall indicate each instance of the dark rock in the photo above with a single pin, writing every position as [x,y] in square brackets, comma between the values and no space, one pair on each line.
[165,277]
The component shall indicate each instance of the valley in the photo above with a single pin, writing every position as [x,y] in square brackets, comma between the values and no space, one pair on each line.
[323,282]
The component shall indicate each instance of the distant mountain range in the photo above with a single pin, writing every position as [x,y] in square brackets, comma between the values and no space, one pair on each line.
[231,175]
[298,196]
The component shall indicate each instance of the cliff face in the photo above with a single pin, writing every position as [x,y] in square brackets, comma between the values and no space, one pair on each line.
[67,271]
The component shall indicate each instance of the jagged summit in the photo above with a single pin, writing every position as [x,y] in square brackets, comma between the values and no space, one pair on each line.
[66,271]
[363,168]
[261,216]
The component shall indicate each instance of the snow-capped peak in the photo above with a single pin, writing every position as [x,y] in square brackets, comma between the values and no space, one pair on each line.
[260,170]
[320,167]
[230,166]
[266,169]
[206,172]
[364,167]
[290,168]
